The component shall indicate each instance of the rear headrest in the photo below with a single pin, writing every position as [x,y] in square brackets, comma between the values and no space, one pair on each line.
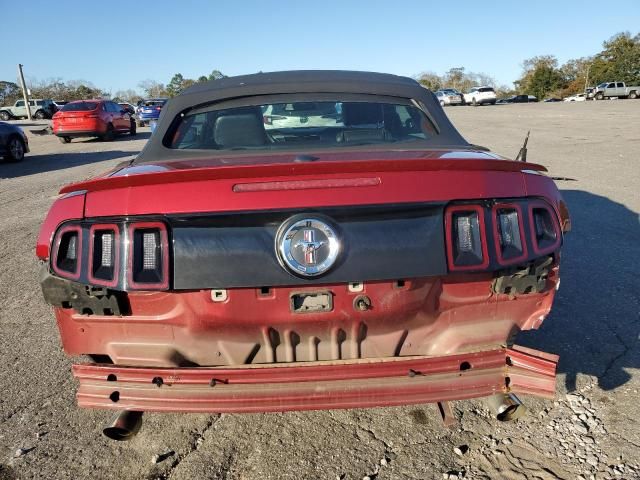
[244,129]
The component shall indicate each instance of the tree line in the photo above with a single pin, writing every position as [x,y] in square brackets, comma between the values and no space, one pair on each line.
[176,85]
[542,76]
[57,89]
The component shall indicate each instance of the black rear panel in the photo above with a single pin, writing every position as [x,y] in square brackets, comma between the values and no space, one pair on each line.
[239,250]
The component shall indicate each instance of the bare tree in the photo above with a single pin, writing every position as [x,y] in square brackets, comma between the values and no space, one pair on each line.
[430,80]
[152,88]
[128,95]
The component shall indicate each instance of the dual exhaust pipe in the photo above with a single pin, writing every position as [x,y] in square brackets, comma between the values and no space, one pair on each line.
[126,424]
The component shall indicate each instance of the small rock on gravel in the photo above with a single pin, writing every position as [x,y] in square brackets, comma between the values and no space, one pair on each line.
[461,450]
[592,460]
[21,452]
[163,456]
[580,428]
[453,475]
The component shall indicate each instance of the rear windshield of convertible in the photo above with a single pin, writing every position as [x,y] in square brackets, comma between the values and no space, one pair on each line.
[281,124]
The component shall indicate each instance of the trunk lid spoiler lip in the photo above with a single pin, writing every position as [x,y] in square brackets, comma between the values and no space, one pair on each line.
[153,174]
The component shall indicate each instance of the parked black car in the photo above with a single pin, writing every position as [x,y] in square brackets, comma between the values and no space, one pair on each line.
[13,142]
[521,99]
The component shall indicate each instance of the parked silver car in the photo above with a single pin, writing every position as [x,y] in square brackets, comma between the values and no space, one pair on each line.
[449,96]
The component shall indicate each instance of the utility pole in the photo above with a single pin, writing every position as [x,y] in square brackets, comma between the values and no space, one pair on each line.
[586,80]
[25,94]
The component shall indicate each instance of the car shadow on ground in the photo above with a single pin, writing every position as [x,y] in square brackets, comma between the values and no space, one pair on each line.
[119,138]
[35,123]
[34,164]
[595,322]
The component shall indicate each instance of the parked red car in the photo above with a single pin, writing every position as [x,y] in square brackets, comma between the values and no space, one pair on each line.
[92,118]
[358,254]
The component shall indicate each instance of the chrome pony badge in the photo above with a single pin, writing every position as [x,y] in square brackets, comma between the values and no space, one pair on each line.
[307,246]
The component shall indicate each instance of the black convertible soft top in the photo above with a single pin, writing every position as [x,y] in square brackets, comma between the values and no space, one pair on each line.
[294,82]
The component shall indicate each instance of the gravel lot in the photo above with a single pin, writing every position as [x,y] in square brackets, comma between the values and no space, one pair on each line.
[592,430]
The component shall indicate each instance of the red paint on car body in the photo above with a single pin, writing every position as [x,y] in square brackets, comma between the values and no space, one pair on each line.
[268,358]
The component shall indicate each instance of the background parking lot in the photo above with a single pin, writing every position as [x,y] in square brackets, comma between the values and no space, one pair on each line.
[594,327]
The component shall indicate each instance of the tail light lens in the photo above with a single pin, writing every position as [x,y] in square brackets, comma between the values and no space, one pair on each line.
[465,232]
[148,256]
[67,256]
[104,254]
[544,228]
[508,232]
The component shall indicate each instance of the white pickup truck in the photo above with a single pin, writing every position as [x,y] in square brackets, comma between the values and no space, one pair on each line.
[615,89]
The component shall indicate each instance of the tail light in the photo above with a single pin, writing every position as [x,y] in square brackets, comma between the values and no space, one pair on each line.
[158,108]
[148,256]
[544,228]
[104,254]
[511,244]
[67,252]
[466,238]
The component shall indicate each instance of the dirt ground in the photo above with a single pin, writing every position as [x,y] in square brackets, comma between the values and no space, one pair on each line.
[591,430]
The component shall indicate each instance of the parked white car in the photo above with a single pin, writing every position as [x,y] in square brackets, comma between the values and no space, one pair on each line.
[578,97]
[480,96]
[449,96]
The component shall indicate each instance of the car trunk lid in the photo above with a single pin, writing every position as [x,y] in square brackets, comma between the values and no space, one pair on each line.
[250,183]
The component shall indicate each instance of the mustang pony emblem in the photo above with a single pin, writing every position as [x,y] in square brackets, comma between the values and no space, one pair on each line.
[307,246]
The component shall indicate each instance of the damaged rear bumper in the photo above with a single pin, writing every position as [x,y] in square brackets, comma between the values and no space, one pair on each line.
[318,385]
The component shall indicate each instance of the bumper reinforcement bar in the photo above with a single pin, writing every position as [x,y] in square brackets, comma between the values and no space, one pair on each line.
[312,386]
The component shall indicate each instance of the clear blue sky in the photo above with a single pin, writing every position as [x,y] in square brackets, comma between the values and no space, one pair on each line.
[115,44]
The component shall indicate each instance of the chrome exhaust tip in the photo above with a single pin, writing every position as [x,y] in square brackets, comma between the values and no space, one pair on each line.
[506,406]
[124,426]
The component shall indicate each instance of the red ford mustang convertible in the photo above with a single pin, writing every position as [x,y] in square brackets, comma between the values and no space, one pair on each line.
[304,240]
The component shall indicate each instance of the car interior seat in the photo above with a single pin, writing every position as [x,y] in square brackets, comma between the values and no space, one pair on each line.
[363,122]
[240,128]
